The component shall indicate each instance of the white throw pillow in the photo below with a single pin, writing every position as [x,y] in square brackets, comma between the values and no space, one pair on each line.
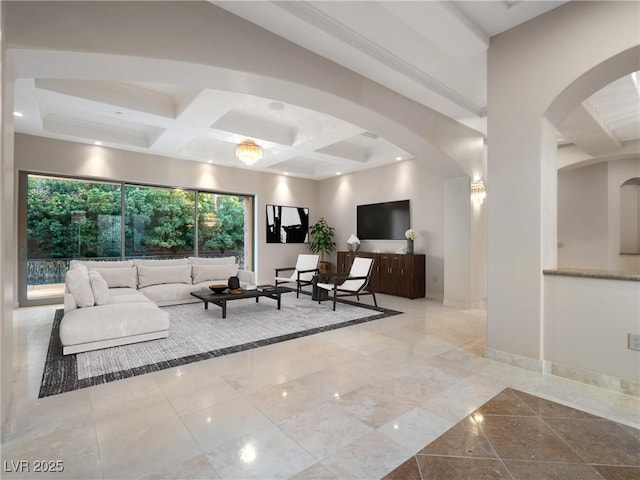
[119,277]
[160,263]
[159,275]
[212,261]
[99,264]
[77,282]
[203,273]
[100,288]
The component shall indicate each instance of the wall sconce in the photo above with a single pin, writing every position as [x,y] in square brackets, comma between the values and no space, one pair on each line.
[478,192]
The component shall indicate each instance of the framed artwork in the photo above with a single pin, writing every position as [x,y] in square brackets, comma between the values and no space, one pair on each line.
[287,224]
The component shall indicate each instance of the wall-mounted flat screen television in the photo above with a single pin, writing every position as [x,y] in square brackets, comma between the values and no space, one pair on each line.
[383,221]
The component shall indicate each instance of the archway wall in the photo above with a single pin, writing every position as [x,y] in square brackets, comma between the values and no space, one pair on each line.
[203,45]
[528,68]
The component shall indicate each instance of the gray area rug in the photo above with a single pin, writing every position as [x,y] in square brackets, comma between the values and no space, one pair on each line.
[196,334]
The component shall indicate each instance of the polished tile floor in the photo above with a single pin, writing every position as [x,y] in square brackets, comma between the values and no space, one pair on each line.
[351,403]
[516,435]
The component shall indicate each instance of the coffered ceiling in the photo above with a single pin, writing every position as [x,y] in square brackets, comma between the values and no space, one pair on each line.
[431,52]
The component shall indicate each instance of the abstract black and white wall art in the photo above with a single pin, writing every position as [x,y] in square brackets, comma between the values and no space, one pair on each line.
[287,224]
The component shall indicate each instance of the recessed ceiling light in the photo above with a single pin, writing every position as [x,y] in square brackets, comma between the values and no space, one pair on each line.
[18,114]
[286,173]
[97,142]
[276,106]
[209,161]
[398,158]
[338,173]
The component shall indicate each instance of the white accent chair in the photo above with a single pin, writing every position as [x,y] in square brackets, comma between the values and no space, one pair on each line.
[354,283]
[306,267]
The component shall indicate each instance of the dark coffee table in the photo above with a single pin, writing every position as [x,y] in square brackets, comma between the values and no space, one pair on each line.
[221,299]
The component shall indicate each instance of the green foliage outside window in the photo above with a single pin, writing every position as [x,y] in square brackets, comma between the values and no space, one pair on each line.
[69,218]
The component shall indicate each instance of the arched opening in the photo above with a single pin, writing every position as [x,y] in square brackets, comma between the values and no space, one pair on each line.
[630,217]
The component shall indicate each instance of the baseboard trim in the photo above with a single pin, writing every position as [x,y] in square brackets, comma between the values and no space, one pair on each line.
[513,359]
[547,367]
[464,305]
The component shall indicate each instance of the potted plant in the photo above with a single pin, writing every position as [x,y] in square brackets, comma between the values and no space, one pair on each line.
[322,242]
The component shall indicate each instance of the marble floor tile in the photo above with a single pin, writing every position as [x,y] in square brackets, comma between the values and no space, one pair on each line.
[224,422]
[332,382]
[525,438]
[114,393]
[409,470]
[196,468]
[283,401]
[415,429]
[267,453]
[190,395]
[324,429]
[547,408]
[127,418]
[611,472]
[551,471]
[375,405]
[597,440]
[465,439]
[626,409]
[347,390]
[506,403]
[34,415]
[148,450]
[372,456]
[317,471]
[455,468]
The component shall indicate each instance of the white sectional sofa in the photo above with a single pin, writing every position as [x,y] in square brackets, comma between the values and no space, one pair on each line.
[117,302]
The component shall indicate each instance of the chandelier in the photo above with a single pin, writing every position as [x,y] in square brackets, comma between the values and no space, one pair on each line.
[248,152]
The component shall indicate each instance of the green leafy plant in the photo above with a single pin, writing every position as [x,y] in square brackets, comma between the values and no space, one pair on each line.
[322,238]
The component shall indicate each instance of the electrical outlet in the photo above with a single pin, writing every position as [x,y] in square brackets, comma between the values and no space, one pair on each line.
[634,342]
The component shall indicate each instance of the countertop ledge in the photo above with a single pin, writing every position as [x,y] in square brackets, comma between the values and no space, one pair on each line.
[592,273]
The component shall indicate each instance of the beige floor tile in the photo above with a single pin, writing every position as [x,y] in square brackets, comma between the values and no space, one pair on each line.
[194,394]
[43,413]
[324,429]
[120,391]
[283,401]
[127,418]
[224,423]
[419,371]
[370,457]
[265,454]
[196,468]
[148,450]
[416,428]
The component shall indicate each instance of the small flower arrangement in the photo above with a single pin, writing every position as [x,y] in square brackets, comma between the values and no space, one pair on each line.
[410,234]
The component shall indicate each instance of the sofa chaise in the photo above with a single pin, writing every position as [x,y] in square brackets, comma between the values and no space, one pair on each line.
[113,303]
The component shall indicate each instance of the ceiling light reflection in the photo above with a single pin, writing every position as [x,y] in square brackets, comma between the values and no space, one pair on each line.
[248,453]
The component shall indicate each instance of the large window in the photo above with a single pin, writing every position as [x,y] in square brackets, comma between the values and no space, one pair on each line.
[82,219]
[68,219]
[221,225]
[160,222]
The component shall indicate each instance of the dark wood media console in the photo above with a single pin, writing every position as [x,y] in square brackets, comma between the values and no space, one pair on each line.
[393,273]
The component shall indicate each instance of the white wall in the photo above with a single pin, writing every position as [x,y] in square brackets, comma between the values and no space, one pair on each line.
[619,172]
[630,216]
[586,325]
[43,155]
[529,67]
[410,179]
[590,218]
[7,237]
[583,218]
